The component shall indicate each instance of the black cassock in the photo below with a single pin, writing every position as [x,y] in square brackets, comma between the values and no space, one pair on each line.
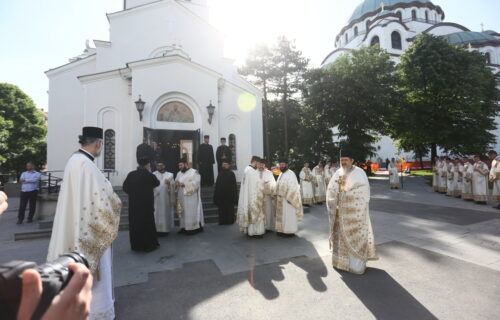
[139,186]
[206,162]
[226,196]
[223,153]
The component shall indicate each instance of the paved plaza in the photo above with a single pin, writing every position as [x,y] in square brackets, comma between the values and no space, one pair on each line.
[439,259]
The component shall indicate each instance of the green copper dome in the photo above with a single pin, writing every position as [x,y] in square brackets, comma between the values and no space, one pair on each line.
[374,5]
[466,37]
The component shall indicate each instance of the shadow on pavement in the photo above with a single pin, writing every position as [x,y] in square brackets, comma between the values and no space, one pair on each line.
[384,296]
[181,290]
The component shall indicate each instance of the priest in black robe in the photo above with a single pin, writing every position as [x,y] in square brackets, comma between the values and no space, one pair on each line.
[226,194]
[223,153]
[144,150]
[206,162]
[139,186]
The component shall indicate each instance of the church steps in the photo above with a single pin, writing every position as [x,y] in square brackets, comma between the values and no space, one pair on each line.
[45,226]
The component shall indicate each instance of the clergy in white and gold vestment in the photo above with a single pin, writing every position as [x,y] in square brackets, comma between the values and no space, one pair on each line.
[251,217]
[443,174]
[495,176]
[289,210]
[86,220]
[458,178]
[307,181]
[267,185]
[351,236]
[164,199]
[188,204]
[480,181]
[435,175]
[467,180]
[450,185]
[393,174]
[319,186]
[328,172]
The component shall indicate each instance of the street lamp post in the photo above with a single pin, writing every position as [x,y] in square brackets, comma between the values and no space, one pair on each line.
[211,111]
[139,104]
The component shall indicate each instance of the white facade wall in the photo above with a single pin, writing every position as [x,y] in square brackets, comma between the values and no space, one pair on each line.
[144,57]
[66,101]
[108,105]
[137,34]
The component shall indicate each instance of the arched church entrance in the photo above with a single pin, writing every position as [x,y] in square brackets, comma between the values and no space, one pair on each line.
[176,133]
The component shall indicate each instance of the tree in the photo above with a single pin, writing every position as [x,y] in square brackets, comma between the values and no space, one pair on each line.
[278,71]
[259,69]
[450,99]
[354,95]
[22,130]
[289,69]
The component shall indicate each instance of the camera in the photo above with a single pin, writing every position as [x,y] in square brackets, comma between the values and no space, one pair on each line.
[55,276]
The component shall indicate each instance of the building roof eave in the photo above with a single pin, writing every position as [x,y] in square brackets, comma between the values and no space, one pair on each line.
[70,64]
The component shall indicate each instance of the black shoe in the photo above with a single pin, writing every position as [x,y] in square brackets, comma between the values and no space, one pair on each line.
[257,236]
[182,231]
[19,222]
[30,221]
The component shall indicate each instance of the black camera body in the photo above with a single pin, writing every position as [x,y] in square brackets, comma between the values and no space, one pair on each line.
[55,276]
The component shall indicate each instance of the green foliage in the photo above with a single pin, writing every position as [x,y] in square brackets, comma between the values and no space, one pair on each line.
[22,131]
[278,71]
[449,99]
[259,67]
[439,96]
[353,95]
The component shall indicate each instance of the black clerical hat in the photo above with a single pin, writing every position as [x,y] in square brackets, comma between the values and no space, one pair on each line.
[283,160]
[143,161]
[183,160]
[346,153]
[92,132]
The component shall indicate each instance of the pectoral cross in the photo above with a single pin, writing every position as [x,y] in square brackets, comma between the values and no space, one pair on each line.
[382,6]
[482,27]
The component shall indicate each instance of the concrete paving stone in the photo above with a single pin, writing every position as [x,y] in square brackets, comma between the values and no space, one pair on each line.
[406,283]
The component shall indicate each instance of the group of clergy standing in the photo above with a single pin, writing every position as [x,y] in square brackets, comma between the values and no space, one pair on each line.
[268,204]
[88,210]
[468,178]
[313,182]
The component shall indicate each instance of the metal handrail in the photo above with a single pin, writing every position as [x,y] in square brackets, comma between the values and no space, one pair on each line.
[51,183]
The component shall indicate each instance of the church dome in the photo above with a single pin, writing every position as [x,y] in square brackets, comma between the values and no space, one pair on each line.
[465,37]
[374,5]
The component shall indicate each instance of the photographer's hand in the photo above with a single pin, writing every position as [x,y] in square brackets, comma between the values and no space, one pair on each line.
[71,303]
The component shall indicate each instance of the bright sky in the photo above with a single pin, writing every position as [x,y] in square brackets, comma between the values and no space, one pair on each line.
[37,35]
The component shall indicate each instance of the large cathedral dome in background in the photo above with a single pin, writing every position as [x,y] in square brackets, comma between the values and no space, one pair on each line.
[394,24]
[369,6]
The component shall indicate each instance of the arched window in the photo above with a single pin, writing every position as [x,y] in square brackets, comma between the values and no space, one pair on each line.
[346,38]
[414,15]
[426,16]
[396,40]
[355,31]
[488,57]
[375,41]
[232,147]
[109,149]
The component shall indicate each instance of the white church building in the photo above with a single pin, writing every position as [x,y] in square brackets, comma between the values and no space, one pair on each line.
[393,24]
[166,56]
